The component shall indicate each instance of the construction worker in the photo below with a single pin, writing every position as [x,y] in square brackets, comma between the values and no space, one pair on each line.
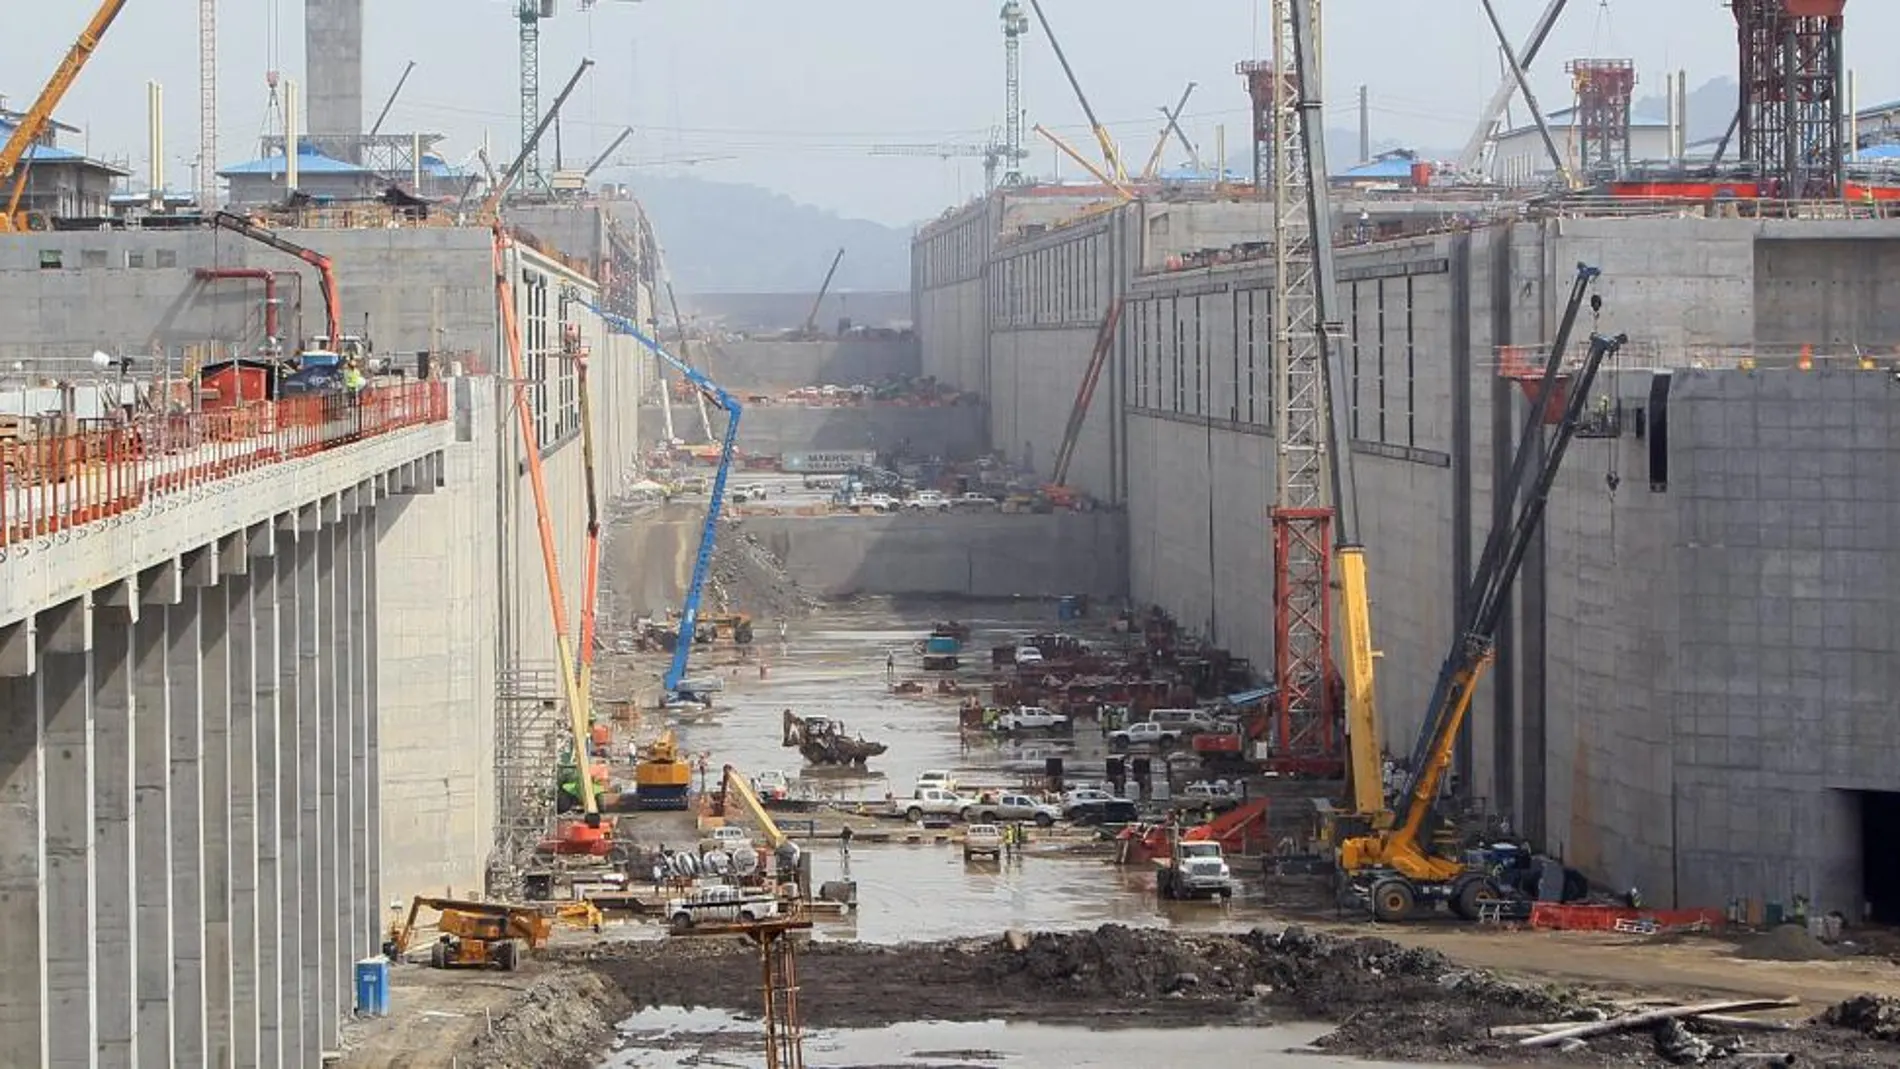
[890,665]
[353,379]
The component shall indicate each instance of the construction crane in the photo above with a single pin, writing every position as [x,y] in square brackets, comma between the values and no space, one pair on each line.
[529,13]
[811,320]
[1471,160]
[992,155]
[1396,868]
[1084,395]
[1104,177]
[1015,25]
[675,682]
[1315,513]
[734,786]
[1172,128]
[1111,155]
[574,350]
[591,834]
[34,122]
[207,104]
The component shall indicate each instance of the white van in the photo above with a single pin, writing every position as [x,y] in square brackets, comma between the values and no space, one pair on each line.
[1185,721]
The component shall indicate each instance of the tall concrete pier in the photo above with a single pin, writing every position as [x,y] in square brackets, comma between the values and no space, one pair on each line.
[251,657]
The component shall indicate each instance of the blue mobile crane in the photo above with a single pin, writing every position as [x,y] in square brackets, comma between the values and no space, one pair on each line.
[702,564]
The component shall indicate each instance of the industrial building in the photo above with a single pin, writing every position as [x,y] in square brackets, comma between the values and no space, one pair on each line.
[1692,696]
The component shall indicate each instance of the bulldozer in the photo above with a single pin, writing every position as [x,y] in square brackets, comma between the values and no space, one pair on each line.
[719,626]
[474,935]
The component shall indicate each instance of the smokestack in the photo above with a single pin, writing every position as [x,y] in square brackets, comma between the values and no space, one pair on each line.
[155,135]
[291,135]
[1682,113]
[333,70]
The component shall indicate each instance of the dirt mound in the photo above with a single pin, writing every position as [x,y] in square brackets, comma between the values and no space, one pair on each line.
[1874,1016]
[1789,942]
[557,1023]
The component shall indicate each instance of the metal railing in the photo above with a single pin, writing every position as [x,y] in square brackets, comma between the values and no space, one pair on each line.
[106,468]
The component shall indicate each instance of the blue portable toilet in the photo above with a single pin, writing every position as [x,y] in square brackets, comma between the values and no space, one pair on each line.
[372,987]
[1068,608]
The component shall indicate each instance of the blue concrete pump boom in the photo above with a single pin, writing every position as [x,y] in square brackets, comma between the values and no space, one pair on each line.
[702,564]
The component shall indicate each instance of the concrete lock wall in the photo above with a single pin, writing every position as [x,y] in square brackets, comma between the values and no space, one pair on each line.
[952,431]
[987,556]
[779,365]
[1656,712]
[420,289]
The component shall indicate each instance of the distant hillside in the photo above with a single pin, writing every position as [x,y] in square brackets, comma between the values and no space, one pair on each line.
[727,238]
[1711,108]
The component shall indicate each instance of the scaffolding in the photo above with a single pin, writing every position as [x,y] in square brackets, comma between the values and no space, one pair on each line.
[1792,108]
[1604,88]
[530,741]
[778,980]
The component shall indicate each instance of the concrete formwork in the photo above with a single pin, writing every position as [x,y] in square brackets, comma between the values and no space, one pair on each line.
[1681,647]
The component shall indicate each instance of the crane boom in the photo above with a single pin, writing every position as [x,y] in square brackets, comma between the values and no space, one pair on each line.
[702,563]
[1110,154]
[578,713]
[733,783]
[811,320]
[37,117]
[1398,862]
[326,270]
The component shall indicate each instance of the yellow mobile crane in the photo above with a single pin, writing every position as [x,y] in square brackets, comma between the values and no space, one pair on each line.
[37,117]
[1396,868]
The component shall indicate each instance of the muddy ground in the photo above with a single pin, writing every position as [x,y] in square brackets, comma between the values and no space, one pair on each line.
[1389,1001]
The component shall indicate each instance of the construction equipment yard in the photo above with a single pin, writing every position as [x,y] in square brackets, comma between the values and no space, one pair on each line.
[1283,609]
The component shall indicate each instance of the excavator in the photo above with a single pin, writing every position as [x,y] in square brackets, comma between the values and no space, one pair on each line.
[33,124]
[474,935]
[678,689]
[1415,859]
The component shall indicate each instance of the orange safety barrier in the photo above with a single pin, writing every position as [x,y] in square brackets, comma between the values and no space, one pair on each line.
[1554,917]
[58,483]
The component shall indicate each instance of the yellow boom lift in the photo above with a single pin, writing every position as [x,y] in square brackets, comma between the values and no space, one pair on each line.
[474,935]
[33,124]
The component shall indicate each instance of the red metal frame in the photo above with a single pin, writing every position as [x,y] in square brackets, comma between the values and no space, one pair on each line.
[1792,96]
[1306,732]
[1604,89]
[61,482]
[1515,362]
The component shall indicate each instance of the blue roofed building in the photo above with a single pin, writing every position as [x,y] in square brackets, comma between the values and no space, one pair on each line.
[1397,168]
[264,180]
[388,161]
[60,183]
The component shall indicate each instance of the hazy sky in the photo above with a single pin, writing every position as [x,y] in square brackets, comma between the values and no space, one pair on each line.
[797,91]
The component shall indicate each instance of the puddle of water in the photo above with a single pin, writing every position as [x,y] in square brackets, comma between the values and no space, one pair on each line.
[671,1038]
[928,892]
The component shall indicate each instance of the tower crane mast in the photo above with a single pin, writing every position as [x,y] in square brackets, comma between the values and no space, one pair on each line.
[1315,513]
[1015,26]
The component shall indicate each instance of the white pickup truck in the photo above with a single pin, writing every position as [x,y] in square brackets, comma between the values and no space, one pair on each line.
[933,802]
[1144,732]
